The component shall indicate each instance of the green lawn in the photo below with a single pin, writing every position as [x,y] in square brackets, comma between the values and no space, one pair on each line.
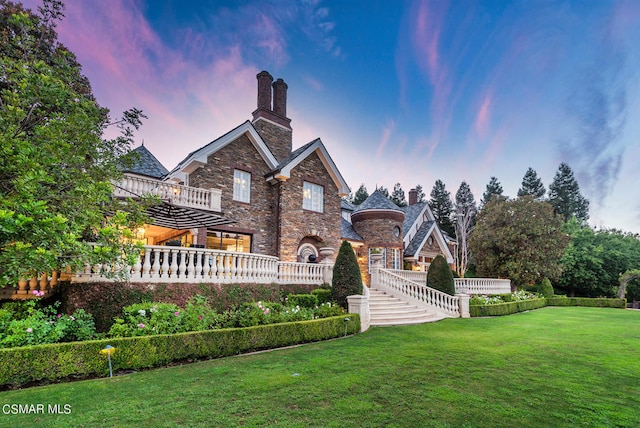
[551,367]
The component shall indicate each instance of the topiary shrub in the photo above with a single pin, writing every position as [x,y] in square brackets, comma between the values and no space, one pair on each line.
[545,288]
[347,279]
[439,276]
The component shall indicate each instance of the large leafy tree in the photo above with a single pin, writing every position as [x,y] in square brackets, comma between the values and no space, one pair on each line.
[493,190]
[442,207]
[520,239]
[465,214]
[360,196]
[565,196]
[532,185]
[594,260]
[55,168]
[398,197]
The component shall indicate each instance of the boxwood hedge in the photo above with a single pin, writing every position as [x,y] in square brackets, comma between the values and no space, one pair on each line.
[525,305]
[49,363]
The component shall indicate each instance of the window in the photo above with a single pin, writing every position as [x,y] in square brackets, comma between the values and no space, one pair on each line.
[312,197]
[241,186]
[395,259]
[227,241]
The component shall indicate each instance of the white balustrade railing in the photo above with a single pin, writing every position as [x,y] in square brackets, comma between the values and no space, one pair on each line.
[188,264]
[301,273]
[482,285]
[186,196]
[394,284]
[463,285]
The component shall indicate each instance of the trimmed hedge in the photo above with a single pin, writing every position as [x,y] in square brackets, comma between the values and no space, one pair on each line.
[323,295]
[303,300]
[49,363]
[499,309]
[587,301]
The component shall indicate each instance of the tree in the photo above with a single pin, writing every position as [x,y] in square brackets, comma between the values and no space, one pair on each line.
[594,260]
[532,185]
[360,196]
[397,196]
[442,208]
[520,239]
[347,279]
[493,190]
[466,210]
[565,196]
[384,191]
[55,169]
[421,197]
[440,276]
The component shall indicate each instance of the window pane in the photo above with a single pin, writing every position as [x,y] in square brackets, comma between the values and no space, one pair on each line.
[241,186]
[312,197]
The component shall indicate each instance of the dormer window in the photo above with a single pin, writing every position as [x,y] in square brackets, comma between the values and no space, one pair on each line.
[312,197]
[241,186]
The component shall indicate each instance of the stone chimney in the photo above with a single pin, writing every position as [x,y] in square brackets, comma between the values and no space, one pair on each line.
[272,123]
[413,197]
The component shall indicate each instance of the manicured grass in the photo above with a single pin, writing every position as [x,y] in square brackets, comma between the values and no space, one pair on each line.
[551,367]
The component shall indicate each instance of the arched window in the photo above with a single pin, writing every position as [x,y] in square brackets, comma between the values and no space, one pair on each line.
[306,250]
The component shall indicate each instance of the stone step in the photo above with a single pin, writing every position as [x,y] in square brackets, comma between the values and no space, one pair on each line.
[389,310]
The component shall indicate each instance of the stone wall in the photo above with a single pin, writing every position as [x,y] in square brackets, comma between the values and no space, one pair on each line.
[278,138]
[258,217]
[297,223]
[377,229]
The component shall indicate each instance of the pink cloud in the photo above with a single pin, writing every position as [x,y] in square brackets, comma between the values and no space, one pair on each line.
[387,131]
[483,116]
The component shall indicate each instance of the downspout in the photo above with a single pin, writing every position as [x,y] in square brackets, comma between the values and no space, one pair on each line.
[278,223]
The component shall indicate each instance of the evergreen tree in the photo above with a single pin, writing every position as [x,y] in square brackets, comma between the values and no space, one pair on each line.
[565,196]
[420,194]
[532,185]
[442,208]
[384,191]
[397,196]
[466,210]
[493,191]
[360,196]
[440,276]
[347,279]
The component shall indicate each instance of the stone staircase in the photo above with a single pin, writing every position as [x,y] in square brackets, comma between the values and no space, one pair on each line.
[386,309]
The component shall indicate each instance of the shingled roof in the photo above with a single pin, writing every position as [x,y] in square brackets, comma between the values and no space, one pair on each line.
[411,214]
[349,233]
[415,244]
[377,201]
[147,164]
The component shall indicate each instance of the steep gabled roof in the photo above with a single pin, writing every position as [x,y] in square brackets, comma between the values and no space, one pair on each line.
[147,164]
[283,170]
[417,241]
[377,201]
[419,224]
[411,215]
[346,205]
[199,157]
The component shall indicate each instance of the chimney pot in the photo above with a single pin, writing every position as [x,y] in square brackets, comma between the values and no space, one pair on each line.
[280,98]
[264,90]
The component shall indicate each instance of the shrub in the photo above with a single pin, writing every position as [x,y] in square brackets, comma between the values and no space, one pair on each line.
[347,279]
[545,288]
[303,300]
[19,366]
[499,309]
[439,276]
[322,294]
[586,301]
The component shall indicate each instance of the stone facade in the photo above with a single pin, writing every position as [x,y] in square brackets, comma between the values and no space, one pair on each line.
[278,138]
[258,217]
[297,223]
[380,229]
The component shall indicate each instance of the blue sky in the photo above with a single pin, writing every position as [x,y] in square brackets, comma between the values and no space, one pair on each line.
[398,91]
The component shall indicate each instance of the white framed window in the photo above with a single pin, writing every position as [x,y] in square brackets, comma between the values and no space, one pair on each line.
[241,186]
[312,197]
[396,263]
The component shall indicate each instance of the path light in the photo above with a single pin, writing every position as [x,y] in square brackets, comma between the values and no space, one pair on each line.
[346,323]
[108,350]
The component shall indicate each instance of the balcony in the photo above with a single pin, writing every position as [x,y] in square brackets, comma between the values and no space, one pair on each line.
[133,186]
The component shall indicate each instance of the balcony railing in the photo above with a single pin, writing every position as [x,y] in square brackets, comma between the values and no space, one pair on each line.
[199,265]
[186,196]
[463,285]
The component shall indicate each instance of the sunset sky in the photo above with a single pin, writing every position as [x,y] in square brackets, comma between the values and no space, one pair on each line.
[398,91]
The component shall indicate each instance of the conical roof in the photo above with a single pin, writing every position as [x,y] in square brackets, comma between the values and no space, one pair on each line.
[147,164]
[377,201]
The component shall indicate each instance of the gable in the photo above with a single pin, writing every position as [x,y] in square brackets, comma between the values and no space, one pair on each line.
[198,158]
[284,170]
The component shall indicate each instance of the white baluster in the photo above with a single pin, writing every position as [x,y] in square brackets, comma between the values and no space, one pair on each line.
[190,264]
[146,266]
[136,268]
[233,259]
[165,263]
[182,268]
[156,263]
